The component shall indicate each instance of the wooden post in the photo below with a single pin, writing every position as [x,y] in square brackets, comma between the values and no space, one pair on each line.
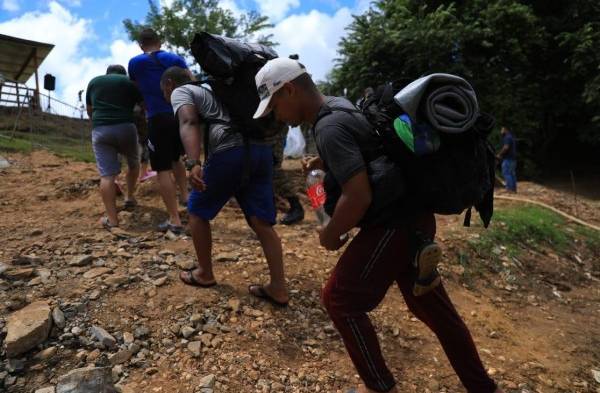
[18,100]
[37,82]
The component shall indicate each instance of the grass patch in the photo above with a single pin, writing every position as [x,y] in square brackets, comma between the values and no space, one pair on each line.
[516,229]
[590,237]
[525,226]
[14,145]
[61,145]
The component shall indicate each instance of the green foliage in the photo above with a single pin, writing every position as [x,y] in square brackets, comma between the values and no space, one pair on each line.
[521,228]
[591,238]
[524,227]
[534,64]
[178,23]
[584,44]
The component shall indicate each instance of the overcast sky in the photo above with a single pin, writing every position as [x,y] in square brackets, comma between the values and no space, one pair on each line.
[89,35]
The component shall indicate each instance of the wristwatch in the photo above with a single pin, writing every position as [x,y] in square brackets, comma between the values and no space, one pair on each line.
[189,164]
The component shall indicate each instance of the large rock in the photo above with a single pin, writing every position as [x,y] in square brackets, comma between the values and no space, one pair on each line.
[26,260]
[87,380]
[82,260]
[208,381]
[46,390]
[27,328]
[186,264]
[59,318]
[4,163]
[116,279]
[227,257]
[96,272]
[104,337]
[46,353]
[195,347]
[19,274]
[120,357]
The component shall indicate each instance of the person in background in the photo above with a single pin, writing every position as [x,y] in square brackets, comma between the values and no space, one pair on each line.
[164,142]
[311,146]
[282,183]
[508,157]
[139,118]
[378,256]
[110,100]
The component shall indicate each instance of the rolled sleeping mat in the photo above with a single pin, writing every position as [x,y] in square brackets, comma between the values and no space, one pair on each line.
[445,101]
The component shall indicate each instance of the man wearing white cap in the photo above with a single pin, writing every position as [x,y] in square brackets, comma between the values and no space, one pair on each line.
[380,254]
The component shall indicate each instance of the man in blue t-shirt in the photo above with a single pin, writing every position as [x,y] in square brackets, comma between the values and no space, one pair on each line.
[164,142]
[508,157]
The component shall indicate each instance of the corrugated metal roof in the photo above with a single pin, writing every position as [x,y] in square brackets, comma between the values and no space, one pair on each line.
[17,57]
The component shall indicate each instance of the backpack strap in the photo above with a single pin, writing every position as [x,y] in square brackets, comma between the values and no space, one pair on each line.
[208,122]
[328,110]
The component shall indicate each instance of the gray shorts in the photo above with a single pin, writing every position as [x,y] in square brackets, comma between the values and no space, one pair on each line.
[110,141]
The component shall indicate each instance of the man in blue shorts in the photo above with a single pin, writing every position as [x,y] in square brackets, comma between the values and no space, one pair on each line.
[163,136]
[227,172]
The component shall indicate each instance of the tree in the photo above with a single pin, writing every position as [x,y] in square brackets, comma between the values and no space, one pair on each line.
[178,23]
[534,64]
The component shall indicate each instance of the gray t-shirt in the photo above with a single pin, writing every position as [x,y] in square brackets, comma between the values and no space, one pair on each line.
[343,139]
[347,146]
[220,136]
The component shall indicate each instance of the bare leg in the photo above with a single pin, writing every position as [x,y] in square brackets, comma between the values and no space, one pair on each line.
[132,177]
[271,245]
[169,196]
[181,180]
[202,237]
[143,169]
[108,191]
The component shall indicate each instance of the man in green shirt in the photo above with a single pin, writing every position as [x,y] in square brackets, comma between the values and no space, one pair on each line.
[110,101]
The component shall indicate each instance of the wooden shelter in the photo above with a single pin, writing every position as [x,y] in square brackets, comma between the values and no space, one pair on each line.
[19,60]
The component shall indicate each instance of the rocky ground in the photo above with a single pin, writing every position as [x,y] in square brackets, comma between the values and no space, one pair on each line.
[81,307]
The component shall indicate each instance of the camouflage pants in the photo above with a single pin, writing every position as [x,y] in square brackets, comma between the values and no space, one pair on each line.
[311,146]
[281,181]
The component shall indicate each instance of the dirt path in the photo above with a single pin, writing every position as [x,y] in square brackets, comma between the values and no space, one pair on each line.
[537,329]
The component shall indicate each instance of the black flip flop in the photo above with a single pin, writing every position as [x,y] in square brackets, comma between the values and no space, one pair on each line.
[262,294]
[191,280]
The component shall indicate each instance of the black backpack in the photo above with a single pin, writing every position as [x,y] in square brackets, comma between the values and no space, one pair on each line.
[458,176]
[231,66]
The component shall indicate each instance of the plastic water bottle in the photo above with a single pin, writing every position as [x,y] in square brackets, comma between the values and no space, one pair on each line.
[316,194]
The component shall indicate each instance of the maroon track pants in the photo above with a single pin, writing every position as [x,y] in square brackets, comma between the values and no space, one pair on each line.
[374,259]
